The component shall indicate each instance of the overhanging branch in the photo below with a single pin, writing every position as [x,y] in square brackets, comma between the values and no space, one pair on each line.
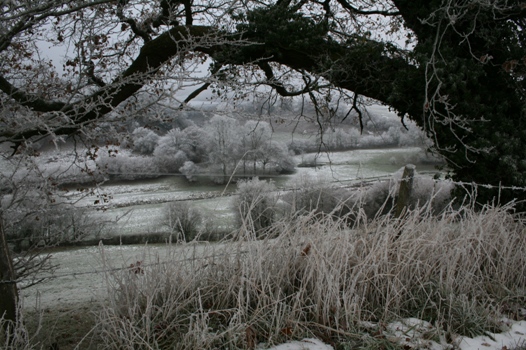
[279,87]
[345,4]
[151,57]
[203,87]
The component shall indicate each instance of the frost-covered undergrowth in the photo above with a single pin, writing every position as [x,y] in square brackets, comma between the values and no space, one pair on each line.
[462,273]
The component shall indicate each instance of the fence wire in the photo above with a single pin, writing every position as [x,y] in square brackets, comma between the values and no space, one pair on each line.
[130,268]
[354,183]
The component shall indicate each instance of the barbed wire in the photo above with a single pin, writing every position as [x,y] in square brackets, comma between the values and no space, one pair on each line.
[130,268]
[355,180]
[353,183]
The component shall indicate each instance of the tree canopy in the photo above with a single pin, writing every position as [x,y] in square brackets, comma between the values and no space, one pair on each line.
[454,67]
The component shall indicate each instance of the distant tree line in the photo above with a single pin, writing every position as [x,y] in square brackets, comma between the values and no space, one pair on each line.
[223,147]
[218,146]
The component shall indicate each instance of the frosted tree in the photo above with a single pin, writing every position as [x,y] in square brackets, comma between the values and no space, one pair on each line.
[168,154]
[194,141]
[189,170]
[276,158]
[224,148]
[144,140]
[255,136]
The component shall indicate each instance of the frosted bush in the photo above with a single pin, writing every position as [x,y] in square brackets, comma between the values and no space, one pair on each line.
[51,226]
[144,140]
[182,220]
[373,136]
[309,160]
[413,137]
[302,146]
[189,170]
[276,158]
[314,195]
[167,144]
[127,167]
[171,162]
[255,205]
[194,141]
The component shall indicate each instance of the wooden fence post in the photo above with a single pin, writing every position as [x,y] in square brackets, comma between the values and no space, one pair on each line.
[406,190]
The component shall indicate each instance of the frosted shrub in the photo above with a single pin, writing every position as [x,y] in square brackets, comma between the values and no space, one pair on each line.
[339,139]
[413,137]
[53,226]
[182,220]
[144,140]
[128,167]
[170,162]
[309,160]
[255,205]
[189,170]
[313,195]
[379,199]
[276,158]
[194,141]
[168,143]
[302,146]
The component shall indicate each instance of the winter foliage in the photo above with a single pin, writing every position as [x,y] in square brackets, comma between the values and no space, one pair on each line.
[144,140]
[255,205]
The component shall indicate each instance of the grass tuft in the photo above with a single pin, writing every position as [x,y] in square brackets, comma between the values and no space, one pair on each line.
[320,278]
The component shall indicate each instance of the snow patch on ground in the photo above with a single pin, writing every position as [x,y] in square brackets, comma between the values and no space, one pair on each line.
[515,336]
[305,344]
[412,333]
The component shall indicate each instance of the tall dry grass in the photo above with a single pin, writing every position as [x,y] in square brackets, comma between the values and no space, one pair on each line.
[14,335]
[321,278]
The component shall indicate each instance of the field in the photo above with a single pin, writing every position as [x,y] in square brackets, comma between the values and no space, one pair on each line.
[140,203]
[440,277]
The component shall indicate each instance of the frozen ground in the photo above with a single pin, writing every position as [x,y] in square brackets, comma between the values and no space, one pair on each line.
[333,167]
[139,204]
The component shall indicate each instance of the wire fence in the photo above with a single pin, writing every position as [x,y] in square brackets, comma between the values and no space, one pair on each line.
[133,268]
[353,183]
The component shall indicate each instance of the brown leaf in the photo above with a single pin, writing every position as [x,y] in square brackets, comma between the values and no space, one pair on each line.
[251,337]
[306,250]
[287,331]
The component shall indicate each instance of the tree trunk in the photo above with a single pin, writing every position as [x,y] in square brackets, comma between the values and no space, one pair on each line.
[8,289]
